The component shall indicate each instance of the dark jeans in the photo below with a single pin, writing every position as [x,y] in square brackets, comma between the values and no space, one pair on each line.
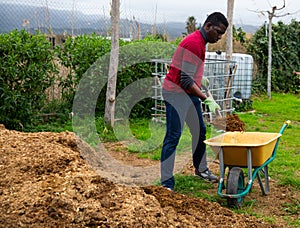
[181,108]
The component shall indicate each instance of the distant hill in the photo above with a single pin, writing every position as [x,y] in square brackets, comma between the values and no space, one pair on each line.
[248,28]
[176,29]
[17,16]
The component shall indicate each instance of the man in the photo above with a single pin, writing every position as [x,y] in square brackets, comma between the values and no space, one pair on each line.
[183,96]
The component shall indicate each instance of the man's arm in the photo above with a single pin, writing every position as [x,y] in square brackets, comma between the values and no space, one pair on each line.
[187,80]
[196,91]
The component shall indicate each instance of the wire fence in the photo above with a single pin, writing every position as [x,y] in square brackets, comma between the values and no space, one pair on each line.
[76,17]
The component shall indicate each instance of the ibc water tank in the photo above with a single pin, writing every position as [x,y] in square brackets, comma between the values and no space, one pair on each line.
[242,83]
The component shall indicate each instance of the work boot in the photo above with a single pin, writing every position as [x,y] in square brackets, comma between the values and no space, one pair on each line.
[207,175]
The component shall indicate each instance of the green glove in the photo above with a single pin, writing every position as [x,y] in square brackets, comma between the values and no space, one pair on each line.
[212,105]
[205,81]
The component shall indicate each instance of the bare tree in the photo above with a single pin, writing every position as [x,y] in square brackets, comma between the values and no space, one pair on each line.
[228,78]
[109,115]
[271,15]
[230,6]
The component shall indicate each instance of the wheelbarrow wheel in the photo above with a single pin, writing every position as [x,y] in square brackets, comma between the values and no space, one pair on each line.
[235,185]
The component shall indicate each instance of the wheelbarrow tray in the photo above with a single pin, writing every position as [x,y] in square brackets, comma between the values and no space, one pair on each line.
[235,145]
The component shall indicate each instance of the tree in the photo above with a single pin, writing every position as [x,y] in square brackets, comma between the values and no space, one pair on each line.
[285,57]
[191,24]
[230,5]
[228,79]
[271,15]
[239,35]
[113,65]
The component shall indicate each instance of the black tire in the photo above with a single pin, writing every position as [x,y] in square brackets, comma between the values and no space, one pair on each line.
[235,185]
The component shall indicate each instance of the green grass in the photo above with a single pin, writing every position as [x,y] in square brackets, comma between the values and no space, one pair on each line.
[54,126]
[145,137]
[193,186]
[269,116]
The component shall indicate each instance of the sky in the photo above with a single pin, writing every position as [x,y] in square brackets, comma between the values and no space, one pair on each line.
[246,12]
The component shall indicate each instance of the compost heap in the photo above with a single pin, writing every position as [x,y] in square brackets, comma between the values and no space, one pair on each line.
[45,182]
[231,122]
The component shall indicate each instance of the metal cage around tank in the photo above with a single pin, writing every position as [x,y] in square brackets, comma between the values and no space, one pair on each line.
[220,74]
[243,76]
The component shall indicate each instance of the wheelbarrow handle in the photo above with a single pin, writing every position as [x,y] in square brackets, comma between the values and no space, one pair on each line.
[284,126]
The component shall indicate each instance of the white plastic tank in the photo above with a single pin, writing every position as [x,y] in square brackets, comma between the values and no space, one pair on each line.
[242,83]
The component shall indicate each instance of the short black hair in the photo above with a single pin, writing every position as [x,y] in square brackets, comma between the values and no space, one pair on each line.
[217,18]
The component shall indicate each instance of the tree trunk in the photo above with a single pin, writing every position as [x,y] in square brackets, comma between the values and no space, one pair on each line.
[228,78]
[269,58]
[113,65]
[230,6]
[271,15]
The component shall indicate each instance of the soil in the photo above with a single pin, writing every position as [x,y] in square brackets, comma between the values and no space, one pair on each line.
[230,122]
[56,180]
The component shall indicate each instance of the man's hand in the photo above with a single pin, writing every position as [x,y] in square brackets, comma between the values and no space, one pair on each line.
[205,81]
[212,105]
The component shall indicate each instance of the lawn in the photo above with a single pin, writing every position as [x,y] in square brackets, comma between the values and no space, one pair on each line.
[268,116]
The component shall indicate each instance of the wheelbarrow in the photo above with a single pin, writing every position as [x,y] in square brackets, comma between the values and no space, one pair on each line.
[248,151]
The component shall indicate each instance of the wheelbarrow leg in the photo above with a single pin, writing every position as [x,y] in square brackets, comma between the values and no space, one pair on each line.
[266,171]
[222,171]
[249,166]
[265,189]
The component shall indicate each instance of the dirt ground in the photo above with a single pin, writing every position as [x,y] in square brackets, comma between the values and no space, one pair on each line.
[55,180]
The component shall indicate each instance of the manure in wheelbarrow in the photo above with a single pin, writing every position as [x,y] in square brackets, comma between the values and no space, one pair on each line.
[231,122]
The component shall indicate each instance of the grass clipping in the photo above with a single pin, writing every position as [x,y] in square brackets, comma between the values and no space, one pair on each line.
[231,122]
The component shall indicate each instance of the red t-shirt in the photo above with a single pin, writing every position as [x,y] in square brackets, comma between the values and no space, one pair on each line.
[191,49]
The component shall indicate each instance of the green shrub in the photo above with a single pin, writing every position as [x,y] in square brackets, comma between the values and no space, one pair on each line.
[285,57]
[89,54]
[78,54]
[26,70]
